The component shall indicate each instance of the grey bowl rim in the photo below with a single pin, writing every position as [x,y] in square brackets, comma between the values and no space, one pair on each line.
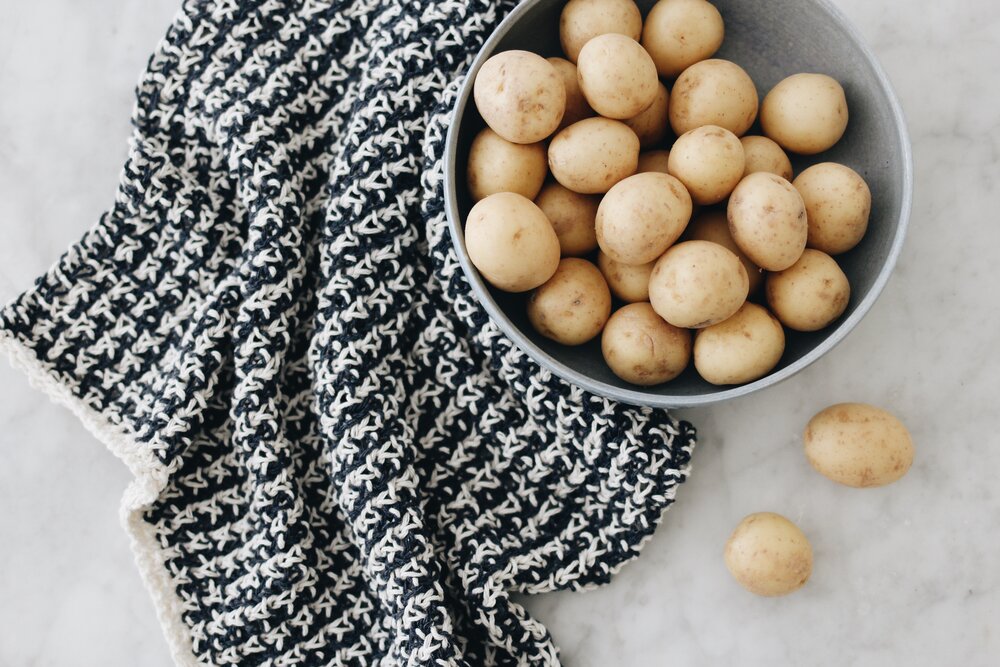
[637,396]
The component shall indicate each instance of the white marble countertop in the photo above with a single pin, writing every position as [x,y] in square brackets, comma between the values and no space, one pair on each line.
[908,574]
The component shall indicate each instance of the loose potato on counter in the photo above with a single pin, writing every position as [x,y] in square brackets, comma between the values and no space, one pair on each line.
[641,348]
[697,284]
[576,104]
[617,76]
[520,95]
[679,33]
[762,154]
[767,219]
[628,282]
[582,20]
[653,161]
[651,125]
[805,113]
[768,555]
[713,92]
[708,161]
[712,225]
[592,155]
[838,203]
[742,348]
[641,216]
[810,294]
[572,216]
[511,242]
[573,305]
[497,165]
[858,445]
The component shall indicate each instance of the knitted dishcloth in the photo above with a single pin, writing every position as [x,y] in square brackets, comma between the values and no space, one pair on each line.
[338,457]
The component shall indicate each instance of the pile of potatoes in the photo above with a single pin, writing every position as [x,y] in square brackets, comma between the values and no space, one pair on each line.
[580,202]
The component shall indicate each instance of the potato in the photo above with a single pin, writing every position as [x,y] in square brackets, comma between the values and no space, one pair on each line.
[653,161]
[767,219]
[713,92]
[520,95]
[651,125]
[576,104]
[768,555]
[641,217]
[805,113]
[762,154]
[679,33]
[838,203]
[617,76]
[697,284]
[741,349]
[511,242]
[708,161]
[572,216]
[582,20]
[712,225]
[858,445]
[497,165]
[641,348]
[810,294]
[628,282]
[592,155]
[573,305]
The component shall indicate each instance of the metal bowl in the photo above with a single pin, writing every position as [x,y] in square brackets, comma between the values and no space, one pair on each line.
[771,39]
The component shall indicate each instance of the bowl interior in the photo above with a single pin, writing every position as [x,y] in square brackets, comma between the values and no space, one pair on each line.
[771,39]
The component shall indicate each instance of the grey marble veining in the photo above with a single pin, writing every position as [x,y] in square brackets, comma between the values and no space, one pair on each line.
[908,574]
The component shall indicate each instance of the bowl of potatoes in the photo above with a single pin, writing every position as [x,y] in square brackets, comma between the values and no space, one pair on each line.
[676,202]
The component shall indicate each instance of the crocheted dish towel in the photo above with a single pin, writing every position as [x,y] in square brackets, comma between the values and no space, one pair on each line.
[338,457]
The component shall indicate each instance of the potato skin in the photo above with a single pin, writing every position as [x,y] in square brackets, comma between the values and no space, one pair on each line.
[805,113]
[641,216]
[713,225]
[511,242]
[497,165]
[592,155]
[572,217]
[769,555]
[810,294]
[582,20]
[713,92]
[573,305]
[641,348]
[628,282]
[762,154]
[617,76]
[767,219]
[858,445]
[838,203]
[742,348]
[520,95]
[576,104]
[653,161]
[708,161]
[679,33]
[696,284]
[651,125]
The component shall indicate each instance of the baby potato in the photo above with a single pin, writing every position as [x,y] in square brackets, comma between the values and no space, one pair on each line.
[511,242]
[679,33]
[838,203]
[810,294]
[708,161]
[642,216]
[572,216]
[641,348]
[576,104]
[697,284]
[713,92]
[712,225]
[617,76]
[858,445]
[762,154]
[592,155]
[768,555]
[573,305]
[805,113]
[628,282]
[653,161]
[767,219]
[742,348]
[520,95]
[497,165]
[651,125]
[582,20]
